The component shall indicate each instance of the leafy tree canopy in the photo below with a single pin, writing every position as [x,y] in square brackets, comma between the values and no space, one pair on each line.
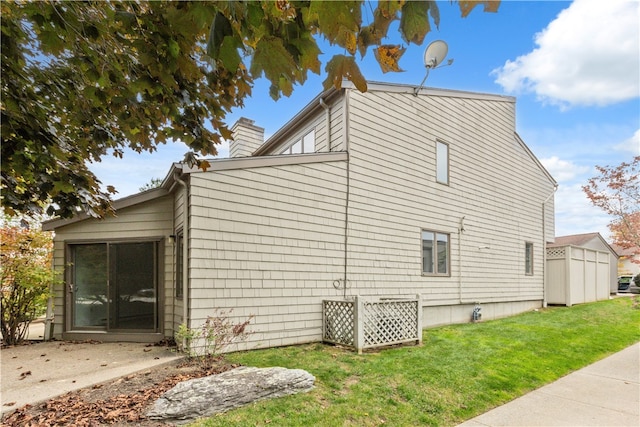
[81,80]
[616,190]
[153,183]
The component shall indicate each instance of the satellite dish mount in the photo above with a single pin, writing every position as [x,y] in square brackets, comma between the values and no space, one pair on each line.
[434,54]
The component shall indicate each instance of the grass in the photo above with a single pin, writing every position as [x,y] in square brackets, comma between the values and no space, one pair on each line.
[457,373]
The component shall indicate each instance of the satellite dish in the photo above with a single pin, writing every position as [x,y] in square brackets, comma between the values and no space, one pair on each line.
[435,53]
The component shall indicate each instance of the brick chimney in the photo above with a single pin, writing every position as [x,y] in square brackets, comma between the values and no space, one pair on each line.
[247,137]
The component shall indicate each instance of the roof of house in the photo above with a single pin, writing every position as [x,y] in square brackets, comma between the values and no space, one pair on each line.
[624,251]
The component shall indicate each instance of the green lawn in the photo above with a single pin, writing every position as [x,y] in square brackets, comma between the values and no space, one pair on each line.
[457,373]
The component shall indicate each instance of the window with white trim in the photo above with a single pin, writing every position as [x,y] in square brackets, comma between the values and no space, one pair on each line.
[435,253]
[442,162]
[305,145]
[528,258]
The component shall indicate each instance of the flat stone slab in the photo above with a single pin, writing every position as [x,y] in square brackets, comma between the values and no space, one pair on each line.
[203,397]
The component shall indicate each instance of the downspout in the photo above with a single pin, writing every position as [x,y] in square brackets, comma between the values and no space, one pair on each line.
[544,247]
[327,109]
[48,321]
[460,231]
[348,176]
[185,251]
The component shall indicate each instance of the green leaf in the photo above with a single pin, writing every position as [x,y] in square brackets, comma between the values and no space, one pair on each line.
[414,23]
[173,48]
[336,18]
[344,67]
[308,52]
[220,28]
[229,53]
[272,59]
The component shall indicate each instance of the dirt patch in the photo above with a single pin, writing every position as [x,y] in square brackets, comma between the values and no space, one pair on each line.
[121,402]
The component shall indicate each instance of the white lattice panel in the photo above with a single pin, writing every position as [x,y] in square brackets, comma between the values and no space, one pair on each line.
[339,322]
[555,253]
[366,324]
[388,322]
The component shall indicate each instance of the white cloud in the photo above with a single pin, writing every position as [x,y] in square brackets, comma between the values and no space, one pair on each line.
[630,145]
[576,215]
[589,55]
[562,170]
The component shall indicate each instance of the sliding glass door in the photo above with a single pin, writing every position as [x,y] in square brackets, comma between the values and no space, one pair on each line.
[113,286]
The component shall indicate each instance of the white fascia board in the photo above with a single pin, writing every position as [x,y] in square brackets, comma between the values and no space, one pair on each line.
[267,161]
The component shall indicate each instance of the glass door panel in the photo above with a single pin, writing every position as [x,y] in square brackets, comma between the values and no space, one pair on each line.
[133,281]
[114,286]
[89,287]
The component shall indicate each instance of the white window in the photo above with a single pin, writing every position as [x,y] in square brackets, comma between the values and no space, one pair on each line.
[528,258]
[435,253]
[442,162]
[296,148]
[309,142]
[302,146]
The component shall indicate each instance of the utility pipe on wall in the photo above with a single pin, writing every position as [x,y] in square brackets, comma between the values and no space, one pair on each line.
[544,246]
[185,251]
[460,231]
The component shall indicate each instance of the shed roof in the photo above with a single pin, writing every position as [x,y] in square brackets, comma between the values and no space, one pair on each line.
[580,240]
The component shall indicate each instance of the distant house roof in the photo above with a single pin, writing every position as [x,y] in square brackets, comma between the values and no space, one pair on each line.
[575,239]
[580,240]
[628,252]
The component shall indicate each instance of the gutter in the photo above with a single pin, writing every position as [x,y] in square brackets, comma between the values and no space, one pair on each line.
[544,246]
[185,251]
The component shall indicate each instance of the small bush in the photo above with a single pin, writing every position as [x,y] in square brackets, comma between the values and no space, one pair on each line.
[26,275]
[217,333]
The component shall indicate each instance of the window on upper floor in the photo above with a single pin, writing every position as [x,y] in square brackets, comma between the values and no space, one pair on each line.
[528,258]
[435,253]
[305,145]
[442,162]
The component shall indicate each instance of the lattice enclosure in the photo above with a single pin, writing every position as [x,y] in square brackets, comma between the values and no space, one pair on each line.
[555,253]
[339,322]
[361,323]
[389,322]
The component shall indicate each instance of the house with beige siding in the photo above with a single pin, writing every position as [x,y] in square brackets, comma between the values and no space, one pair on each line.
[388,193]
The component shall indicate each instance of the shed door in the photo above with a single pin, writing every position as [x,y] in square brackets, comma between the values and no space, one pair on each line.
[114,286]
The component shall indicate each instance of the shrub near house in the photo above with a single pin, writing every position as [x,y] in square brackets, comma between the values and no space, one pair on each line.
[26,274]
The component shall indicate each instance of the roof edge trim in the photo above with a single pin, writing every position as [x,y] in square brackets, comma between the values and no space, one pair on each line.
[125,202]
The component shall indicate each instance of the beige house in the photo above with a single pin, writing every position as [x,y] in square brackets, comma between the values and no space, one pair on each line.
[385,193]
[628,261]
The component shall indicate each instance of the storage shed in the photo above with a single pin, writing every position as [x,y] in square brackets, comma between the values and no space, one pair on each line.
[577,275]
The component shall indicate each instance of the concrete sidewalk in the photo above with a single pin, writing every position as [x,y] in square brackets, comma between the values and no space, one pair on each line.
[606,393]
[37,372]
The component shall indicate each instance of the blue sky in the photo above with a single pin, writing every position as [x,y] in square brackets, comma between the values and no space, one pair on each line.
[573,67]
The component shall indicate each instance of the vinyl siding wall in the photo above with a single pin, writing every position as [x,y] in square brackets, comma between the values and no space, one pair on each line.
[268,241]
[496,193]
[152,220]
